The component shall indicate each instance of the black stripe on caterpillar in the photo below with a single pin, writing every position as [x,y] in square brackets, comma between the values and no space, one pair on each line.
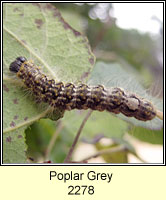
[69,96]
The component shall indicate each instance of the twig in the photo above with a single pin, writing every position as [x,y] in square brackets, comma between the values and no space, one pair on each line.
[106,151]
[68,157]
[120,148]
[53,139]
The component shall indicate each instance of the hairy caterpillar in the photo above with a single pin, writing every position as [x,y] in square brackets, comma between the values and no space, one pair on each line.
[68,96]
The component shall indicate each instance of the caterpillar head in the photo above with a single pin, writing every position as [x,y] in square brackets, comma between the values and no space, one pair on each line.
[15,66]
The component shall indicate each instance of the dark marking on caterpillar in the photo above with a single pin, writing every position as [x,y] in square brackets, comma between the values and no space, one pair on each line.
[69,96]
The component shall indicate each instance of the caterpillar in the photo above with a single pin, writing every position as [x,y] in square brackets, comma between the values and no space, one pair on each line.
[69,96]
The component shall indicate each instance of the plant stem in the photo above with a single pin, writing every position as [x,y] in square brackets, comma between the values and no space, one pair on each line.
[53,139]
[106,151]
[68,157]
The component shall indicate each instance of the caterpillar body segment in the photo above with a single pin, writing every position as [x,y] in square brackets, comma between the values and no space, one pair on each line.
[69,96]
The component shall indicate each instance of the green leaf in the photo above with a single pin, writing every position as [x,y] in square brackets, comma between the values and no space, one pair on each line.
[116,157]
[14,147]
[38,32]
[73,18]
[150,136]
[114,75]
